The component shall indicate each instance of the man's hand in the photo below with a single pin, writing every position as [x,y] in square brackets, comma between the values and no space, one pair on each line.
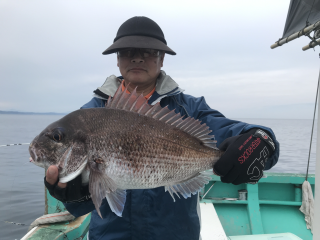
[52,177]
[71,192]
[245,157]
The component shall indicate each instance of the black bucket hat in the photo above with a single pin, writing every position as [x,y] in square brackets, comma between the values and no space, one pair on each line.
[139,32]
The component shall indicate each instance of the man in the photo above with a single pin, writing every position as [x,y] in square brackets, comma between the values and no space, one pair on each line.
[151,213]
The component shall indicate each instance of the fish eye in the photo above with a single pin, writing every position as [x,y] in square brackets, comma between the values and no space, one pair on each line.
[56,135]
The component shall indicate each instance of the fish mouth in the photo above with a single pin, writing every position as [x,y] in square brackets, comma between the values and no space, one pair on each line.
[35,155]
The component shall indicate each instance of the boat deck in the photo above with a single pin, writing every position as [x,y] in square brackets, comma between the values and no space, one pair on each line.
[271,207]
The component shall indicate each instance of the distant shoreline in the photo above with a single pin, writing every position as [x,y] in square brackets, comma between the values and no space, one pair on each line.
[31,113]
[54,113]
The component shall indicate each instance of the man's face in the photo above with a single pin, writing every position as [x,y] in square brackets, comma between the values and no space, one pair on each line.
[140,70]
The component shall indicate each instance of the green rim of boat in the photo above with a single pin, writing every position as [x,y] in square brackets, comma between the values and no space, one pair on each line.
[271,207]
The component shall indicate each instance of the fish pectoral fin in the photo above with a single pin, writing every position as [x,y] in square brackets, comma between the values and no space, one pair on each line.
[191,185]
[117,200]
[99,186]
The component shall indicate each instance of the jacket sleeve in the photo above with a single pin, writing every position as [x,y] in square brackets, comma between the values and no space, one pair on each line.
[223,127]
[94,103]
[82,208]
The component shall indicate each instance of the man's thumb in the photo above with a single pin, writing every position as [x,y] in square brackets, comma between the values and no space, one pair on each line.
[52,175]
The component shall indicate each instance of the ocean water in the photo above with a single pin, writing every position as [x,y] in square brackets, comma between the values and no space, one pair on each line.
[21,182]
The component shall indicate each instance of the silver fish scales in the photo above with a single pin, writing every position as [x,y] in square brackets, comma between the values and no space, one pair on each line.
[129,144]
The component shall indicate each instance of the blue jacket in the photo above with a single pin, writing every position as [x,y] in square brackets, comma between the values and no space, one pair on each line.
[151,213]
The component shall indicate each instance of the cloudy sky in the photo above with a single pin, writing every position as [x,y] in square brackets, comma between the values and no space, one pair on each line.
[51,61]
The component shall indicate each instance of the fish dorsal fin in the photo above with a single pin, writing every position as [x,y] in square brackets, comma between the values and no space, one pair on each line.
[137,103]
[189,186]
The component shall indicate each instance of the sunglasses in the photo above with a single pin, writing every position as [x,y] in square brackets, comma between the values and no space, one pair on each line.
[144,52]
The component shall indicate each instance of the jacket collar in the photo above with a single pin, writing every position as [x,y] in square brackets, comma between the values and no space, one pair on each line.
[165,86]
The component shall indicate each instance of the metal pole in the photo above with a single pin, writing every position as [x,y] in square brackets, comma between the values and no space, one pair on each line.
[293,36]
[314,116]
[208,190]
[316,229]
[312,44]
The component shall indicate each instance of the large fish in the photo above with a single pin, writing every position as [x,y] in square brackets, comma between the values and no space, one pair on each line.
[129,144]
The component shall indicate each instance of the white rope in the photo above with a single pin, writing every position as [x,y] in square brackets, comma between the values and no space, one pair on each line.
[52,218]
[307,207]
[14,144]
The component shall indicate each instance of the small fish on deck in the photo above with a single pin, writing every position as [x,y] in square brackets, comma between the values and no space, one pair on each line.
[128,144]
